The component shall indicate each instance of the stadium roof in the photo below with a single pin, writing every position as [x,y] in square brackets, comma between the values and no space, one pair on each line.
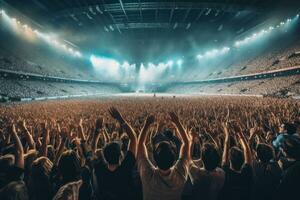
[132,30]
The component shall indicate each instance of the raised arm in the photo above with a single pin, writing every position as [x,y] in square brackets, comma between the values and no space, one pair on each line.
[141,146]
[130,132]
[246,148]
[81,130]
[225,156]
[19,155]
[28,135]
[96,136]
[185,150]
[45,133]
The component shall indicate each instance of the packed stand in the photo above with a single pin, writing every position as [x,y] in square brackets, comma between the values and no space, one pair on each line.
[280,86]
[211,148]
[34,89]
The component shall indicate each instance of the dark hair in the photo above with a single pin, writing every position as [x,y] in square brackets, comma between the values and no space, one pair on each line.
[112,153]
[125,141]
[290,128]
[291,146]
[69,166]
[164,155]
[236,158]
[168,133]
[39,181]
[15,190]
[210,157]
[265,152]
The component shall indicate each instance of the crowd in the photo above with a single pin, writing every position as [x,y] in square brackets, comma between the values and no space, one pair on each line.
[150,148]
[277,86]
[273,58]
[34,89]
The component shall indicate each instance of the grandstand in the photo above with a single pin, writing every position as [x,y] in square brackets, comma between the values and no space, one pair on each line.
[37,56]
[149,99]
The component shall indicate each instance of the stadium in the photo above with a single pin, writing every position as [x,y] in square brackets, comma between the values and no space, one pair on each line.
[148,99]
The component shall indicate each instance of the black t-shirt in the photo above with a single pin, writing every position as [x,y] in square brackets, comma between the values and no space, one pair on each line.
[238,185]
[118,184]
[289,186]
[267,179]
[9,174]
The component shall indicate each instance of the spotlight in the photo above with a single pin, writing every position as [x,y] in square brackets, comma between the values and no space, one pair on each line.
[179,62]
[170,63]
[200,56]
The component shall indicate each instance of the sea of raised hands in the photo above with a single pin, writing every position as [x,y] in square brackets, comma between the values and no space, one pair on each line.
[31,128]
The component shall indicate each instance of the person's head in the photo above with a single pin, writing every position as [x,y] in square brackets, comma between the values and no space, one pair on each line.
[270,136]
[164,155]
[168,133]
[69,191]
[112,153]
[114,136]
[125,141]
[291,147]
[288,128]
[69,166]
[14,191]
[236,158]
[210,157]
[7,160]
[41,167]
[265,152]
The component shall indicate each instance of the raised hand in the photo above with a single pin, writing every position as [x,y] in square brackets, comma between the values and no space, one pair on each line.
[174,118]
[99,123]
[116,115]
[64,133]
[150,119]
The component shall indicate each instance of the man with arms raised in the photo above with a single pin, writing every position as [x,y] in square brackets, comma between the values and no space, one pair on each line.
[166,181]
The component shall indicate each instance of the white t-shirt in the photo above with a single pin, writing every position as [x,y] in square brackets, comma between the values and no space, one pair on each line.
[157,186]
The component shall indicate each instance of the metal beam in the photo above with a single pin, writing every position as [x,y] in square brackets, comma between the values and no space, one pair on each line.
[186,14]
[123,9]
[141,14]
[115,7]
[171,15]
[149,25]
[40,5]
[200,14]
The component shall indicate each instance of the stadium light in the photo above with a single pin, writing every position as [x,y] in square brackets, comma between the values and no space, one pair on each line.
[46,37]
[179,62]
[170,63]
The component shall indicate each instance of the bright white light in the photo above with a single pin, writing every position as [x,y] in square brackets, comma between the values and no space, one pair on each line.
[107,66]
[200,56]
[297,15]
[48,38]
[71,50]
[170,63]
[179,62]
[78,54]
